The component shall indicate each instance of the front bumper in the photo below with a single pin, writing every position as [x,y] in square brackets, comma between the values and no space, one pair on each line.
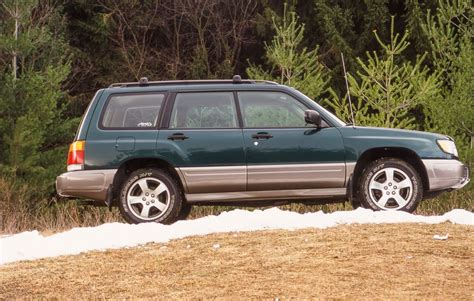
[89,184]
[444,174]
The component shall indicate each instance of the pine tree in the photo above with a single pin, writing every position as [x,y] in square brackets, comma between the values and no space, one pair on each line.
[449,33]
[31,99]
[289,62]
[346,26]
[387,89]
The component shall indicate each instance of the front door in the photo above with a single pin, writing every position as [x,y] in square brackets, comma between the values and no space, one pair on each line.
[282,152]
[204,141]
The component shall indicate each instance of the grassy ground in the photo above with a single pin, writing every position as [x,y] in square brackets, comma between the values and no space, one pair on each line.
[351,262]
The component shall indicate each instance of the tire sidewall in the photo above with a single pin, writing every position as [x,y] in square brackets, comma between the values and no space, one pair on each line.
[185,211]
[175,197]
[378,165]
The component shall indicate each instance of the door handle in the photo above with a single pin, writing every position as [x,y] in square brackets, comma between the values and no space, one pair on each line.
[178,136]
[262,135]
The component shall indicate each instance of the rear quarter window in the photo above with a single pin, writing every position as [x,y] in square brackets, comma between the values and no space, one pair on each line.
[136,111]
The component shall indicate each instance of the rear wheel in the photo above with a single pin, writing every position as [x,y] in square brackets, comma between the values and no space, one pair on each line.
[185,211]
[390,184]
[150,195]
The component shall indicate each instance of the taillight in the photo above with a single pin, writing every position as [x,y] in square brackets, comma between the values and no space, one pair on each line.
[75,157]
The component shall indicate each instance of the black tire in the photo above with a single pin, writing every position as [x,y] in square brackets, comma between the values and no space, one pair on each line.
[169,201]
[386,174]
[185,211]
[355,203]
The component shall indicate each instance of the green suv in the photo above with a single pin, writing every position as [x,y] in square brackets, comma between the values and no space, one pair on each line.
[154,149]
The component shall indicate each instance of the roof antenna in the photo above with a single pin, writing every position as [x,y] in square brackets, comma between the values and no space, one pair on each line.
[347,88]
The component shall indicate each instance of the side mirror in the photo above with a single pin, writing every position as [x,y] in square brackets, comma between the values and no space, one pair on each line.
[312,117]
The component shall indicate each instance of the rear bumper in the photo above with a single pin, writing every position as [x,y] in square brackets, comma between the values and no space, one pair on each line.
[89,184]
[446,174]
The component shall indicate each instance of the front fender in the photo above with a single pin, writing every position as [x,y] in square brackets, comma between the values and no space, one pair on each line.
[358,140]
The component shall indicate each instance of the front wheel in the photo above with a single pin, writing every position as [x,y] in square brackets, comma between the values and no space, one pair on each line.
[150,195]
[390,184]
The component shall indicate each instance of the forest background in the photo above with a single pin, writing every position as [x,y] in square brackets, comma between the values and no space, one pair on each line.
[410,65]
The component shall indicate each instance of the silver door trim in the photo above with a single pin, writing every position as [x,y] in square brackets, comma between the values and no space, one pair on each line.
[296,176]
[293,194]
[214,179]
[211,179]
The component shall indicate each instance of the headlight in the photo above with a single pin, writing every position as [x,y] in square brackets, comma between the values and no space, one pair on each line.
[448,146]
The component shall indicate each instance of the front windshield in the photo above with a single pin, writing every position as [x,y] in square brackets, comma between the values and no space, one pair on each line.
[333,117]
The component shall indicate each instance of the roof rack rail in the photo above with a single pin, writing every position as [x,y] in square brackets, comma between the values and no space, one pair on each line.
[236,79]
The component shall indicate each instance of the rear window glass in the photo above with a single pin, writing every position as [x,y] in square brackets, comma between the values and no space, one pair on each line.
[83,119]
[132,111]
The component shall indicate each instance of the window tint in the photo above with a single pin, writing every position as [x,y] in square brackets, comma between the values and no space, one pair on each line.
[132,111]
[271,109]
[204,110]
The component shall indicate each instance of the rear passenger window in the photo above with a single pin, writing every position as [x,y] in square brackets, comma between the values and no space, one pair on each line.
[132,111]
[204,110]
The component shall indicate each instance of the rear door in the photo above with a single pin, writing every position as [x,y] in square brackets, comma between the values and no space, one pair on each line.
[126,128]
[282,152]
[204,141]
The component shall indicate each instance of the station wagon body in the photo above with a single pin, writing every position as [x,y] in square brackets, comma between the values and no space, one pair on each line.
[244,142]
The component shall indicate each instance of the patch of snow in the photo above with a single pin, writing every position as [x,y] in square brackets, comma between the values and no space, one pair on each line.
[32,245]
[216,246]
[441,237]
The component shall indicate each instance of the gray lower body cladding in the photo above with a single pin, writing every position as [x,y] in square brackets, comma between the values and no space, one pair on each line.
[228,183]
[265,182]
[259,182]
[293,194]
[444,174]
[87,184]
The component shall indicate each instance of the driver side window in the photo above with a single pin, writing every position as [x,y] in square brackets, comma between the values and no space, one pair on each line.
[262,109]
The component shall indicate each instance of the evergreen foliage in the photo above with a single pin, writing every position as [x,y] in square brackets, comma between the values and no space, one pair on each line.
[449,33]
[33,133]
[387,90]
[290,62]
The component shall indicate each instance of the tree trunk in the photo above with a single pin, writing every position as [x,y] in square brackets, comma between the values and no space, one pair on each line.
[15,34]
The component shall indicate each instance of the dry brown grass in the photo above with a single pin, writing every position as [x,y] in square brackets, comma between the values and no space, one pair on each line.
[350,262]
[19,211]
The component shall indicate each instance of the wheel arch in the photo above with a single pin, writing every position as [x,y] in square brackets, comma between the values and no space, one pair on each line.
[401,153]
[133,164]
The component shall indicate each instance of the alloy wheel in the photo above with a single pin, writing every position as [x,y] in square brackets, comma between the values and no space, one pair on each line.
[390,188]
[148,198]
